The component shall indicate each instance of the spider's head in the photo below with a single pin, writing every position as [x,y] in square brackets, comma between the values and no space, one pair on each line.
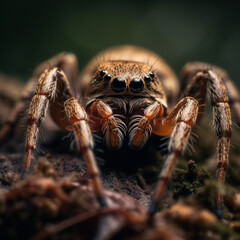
[127,78]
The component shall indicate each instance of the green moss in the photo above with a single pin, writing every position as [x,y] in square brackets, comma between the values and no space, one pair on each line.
[185,182]
[224,231]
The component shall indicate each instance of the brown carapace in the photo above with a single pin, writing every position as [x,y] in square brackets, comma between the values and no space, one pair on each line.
[128,91]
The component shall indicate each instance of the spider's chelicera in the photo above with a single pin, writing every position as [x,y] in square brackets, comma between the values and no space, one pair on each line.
[123,96]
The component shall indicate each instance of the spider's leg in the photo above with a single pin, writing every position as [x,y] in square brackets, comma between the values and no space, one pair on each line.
[19,108]
[233,96]
[183,117]
[109,123]
[212,79]
[79,121]
[198,90]
[66,61]
[67,113]
[45,94]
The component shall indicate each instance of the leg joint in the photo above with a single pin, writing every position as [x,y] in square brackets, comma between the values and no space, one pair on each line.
[188,122]
[32,121]
[222,165]
[225,134]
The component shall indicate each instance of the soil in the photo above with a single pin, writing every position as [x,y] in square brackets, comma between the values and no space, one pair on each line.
[57,201]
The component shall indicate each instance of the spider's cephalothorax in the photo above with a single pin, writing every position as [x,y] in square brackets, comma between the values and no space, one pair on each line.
[130,91]
[128,88]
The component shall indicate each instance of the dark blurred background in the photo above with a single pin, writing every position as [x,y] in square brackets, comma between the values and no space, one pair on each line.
[180,31]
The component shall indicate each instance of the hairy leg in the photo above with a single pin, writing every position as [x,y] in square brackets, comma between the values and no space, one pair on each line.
[185,115]
[18,110]
[66,61]
[212,80]
[199,90]
[47,96]
[164,126]
[44,95]
[79,121]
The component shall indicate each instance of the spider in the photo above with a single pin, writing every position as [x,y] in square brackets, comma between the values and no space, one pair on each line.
[128,91]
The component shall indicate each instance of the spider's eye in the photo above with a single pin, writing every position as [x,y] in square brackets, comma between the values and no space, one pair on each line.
[147,79]
[103,73]
[151,75]
[118,85]
[107,78]
[136,85]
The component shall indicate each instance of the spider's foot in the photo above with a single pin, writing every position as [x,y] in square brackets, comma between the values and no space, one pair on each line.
[153,207]
[102,201]
[25,173]
[219,210]
[219,206]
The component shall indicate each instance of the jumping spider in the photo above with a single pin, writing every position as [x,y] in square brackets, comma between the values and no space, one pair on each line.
[128,91]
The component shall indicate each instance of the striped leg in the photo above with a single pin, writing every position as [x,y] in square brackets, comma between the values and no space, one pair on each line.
[185,118]
[212,79]
[66,61]
[44,95]
[234,97]
[199,82]
[50,83]
[20,107]
[198,91]
[79,121]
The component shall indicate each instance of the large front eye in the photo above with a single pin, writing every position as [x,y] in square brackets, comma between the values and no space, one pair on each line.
[118,85]
[136,85]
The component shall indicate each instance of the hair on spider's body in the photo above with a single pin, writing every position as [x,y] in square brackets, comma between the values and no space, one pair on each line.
[130,94]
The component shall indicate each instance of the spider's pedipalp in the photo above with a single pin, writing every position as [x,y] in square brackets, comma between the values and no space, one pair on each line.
[141,128]
[113,127]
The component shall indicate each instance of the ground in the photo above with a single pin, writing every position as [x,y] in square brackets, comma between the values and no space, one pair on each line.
[57,200]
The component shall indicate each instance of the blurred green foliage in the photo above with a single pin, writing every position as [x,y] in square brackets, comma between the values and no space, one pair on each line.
[180,31]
